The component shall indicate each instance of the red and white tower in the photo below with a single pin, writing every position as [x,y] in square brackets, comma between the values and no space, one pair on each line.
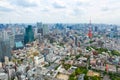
[90,31]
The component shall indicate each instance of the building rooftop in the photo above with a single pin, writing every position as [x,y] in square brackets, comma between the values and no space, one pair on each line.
[18,44]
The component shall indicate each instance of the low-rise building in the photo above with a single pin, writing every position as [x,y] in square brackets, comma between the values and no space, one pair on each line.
[91,73]
[81,77]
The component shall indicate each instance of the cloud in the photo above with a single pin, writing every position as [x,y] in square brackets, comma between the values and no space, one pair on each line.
[78,12]
[61,10]
[22,3]
[105,9]
[59,6]
[81,3]
[5,9]
[45,10]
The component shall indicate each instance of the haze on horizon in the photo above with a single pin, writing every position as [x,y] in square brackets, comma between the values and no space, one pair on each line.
[62,11]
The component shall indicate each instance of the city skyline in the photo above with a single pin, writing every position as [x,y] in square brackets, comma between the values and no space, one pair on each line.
[60,11]
[59,51]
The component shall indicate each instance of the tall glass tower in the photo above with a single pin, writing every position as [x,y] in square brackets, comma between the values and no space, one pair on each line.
[29,34]
[5,49]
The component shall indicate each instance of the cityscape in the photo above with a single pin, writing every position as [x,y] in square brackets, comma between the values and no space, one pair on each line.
[79,48]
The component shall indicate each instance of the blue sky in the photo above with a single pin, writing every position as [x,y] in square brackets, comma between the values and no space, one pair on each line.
[65,11]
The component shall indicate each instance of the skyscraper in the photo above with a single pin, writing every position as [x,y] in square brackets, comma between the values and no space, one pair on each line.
[96,29]
[5,49]
[39,25]
[45,29]
[5,35]
[29,34]
[40,28]
[12,38]
[113,32]
[35,32]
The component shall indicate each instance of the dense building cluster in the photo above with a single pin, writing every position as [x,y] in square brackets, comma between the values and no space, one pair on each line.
[59,52]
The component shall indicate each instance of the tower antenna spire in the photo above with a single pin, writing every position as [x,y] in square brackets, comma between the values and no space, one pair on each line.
[90,30]
[90,23]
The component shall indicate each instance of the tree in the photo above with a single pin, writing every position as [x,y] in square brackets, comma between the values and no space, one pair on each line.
[115,52]
[66,66]
[72,76]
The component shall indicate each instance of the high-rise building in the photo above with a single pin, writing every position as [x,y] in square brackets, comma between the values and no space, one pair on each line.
[35,32]
[59,26]
[40,28]
[29,34]
[19,41]
[45,29]
[5,35]
[39,25]
[40,38]
[0,34]
[96,29]
[113,32]
[5,49]
[19,37]
[12,38]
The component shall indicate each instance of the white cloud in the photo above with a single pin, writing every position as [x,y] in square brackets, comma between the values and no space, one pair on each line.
[77,11]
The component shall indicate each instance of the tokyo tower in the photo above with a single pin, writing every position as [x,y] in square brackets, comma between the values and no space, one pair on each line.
[90,31]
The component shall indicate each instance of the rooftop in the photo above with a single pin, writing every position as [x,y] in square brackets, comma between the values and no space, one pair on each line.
[18,44]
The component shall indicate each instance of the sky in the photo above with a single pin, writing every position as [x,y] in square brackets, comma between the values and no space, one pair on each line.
[60,11]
